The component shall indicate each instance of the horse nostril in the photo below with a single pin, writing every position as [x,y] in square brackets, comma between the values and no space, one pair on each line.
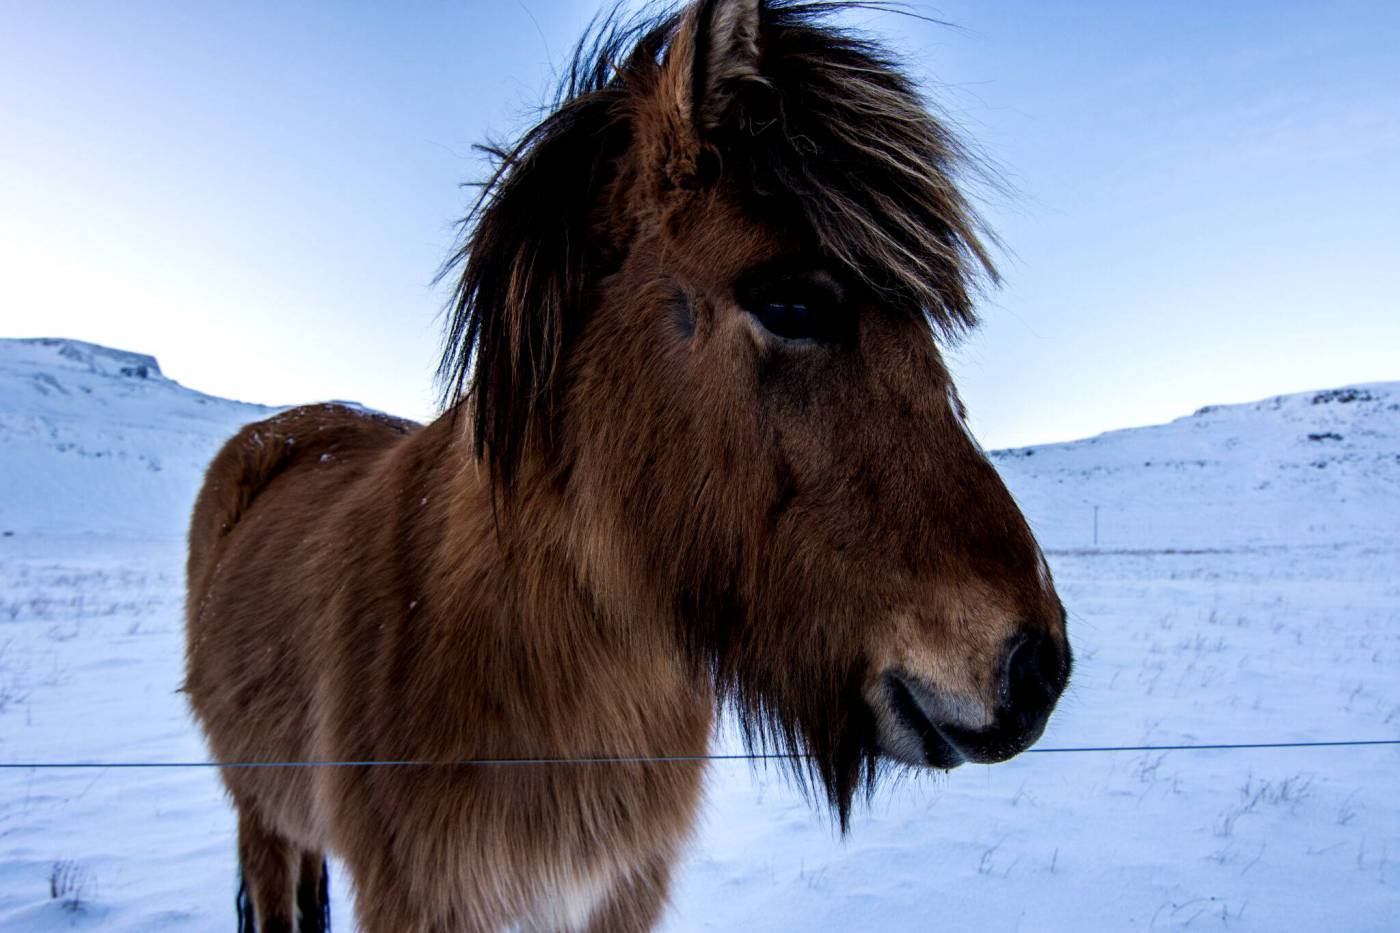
[1037,668]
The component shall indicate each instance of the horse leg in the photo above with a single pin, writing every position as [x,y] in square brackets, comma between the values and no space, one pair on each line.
[269,876]
[313,894]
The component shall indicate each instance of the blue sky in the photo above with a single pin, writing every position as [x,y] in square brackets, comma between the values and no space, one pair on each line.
[1204,206]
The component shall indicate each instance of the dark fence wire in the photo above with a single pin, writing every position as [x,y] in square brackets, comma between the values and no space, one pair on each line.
[660,759]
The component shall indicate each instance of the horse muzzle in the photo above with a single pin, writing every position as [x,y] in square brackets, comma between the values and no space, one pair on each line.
[919,723]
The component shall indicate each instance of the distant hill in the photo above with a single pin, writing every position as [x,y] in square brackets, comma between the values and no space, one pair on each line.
[98,441]
[1320,467]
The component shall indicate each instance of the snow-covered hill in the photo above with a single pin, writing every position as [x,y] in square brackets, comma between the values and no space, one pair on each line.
[98,441]
[1245,586]
[1319,467]
[110,445]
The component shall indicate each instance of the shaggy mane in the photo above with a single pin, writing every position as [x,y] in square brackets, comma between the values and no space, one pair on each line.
[843,148]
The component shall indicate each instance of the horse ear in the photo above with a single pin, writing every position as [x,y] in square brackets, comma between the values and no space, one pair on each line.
[716,56]
[726,58]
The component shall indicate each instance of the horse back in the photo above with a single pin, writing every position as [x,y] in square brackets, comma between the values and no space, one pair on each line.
[249,462]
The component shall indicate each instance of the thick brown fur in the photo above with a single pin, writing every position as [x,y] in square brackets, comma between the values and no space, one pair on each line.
[640,501]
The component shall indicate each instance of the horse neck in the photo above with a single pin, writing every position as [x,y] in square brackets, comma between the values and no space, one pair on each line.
[565,614]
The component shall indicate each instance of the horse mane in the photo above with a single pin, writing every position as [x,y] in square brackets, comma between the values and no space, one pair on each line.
[839,141]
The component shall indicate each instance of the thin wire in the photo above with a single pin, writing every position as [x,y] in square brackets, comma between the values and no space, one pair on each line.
[652,759]
[1340,743]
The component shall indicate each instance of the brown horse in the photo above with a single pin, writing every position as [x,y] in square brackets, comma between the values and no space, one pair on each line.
[701,449]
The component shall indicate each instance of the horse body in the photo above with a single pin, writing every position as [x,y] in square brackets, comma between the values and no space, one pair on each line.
[700,448]
[401,609]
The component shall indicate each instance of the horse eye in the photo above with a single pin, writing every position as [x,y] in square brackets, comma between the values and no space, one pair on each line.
[793,321]
[798,307]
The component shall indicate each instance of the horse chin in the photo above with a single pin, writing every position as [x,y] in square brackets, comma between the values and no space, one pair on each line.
[910,737]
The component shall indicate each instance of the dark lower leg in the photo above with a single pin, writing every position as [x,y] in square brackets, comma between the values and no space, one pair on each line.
[267,865]
[313,894]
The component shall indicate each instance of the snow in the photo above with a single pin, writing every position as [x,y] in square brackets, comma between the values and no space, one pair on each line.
[99,442]
[1313,468]
[1244,587]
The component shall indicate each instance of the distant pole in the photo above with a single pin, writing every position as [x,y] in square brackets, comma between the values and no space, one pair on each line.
[1096,526]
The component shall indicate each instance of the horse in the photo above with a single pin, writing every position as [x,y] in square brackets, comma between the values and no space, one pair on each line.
[699,452]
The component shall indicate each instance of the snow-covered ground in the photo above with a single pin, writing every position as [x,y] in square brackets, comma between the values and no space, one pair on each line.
[1245,586]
